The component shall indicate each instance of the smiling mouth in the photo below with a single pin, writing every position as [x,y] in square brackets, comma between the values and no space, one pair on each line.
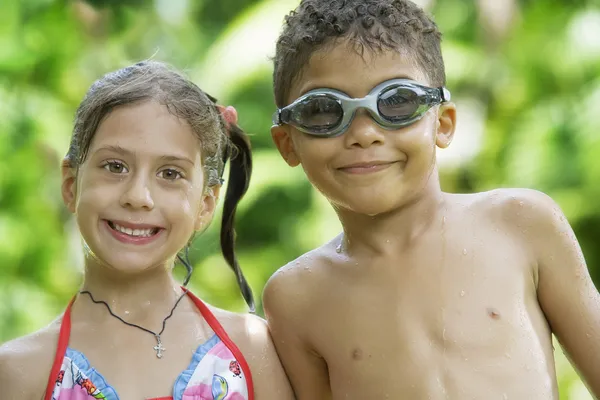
[134,233]
[366,168]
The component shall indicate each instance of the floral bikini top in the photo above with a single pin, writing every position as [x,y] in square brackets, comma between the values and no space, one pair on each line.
[218,370]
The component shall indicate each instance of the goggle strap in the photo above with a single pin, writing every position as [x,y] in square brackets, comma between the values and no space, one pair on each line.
[444,94]
[276,120]
[281,116]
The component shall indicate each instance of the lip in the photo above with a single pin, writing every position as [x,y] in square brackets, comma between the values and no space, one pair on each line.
[366,167]
[127,239]
[134,226]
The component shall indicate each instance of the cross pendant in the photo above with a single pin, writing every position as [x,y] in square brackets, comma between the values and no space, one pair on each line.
[159,347]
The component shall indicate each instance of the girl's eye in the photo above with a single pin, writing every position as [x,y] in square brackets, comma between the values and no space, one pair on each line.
[115,167]
[170,174]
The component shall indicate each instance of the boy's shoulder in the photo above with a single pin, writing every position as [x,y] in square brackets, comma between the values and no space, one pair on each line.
[532,217]
[308,267]
[512,205]
[25,363]
[309,273]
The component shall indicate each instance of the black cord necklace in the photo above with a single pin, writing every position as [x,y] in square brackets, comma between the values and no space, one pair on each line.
[159,347]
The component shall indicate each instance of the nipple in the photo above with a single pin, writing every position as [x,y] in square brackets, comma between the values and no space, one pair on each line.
[493,313]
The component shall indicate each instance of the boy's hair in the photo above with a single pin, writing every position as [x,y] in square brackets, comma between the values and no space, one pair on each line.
[220,140]
[373,25]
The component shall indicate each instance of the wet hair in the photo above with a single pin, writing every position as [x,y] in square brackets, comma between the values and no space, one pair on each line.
[221,141]
[372,25]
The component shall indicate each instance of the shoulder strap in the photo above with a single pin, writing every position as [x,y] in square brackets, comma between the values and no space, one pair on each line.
[61,349]
[220,331]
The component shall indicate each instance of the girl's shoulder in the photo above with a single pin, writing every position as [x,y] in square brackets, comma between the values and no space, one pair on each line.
[247,331]
[25,363]
[250,334]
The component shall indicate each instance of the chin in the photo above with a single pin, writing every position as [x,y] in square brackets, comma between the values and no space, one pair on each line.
[372,200]
[371,206]
[124,262]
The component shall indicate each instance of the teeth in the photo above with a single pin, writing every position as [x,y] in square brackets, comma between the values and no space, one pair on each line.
[133,232]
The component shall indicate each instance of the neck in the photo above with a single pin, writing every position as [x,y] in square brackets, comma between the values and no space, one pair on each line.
[397,229]
[143,298]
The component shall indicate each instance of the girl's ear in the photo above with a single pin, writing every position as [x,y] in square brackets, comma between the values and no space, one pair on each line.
[68,187]
[210,199]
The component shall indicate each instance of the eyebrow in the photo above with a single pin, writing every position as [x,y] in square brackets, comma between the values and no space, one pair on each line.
[177,158]
[125,152]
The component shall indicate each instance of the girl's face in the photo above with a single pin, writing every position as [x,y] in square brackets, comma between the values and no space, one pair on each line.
[140,195]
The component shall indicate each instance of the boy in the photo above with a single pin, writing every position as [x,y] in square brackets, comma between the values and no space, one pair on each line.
[425,294]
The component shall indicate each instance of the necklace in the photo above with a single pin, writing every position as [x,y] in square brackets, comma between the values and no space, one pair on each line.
[159,347]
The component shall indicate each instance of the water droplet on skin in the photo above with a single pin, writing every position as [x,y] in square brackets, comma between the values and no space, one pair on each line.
[588,335]
[126,312]
[464,252]
[521,203]
[462,293]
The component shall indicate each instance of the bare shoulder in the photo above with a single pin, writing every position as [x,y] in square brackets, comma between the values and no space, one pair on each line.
[250,334]
[532,217]
[25,363]
[526,209]
[248,331]
[287,289]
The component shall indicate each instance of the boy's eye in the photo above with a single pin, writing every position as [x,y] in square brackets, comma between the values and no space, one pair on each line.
[115,167]
[170,174]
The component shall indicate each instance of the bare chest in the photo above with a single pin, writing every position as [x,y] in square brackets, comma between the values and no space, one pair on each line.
[439,324]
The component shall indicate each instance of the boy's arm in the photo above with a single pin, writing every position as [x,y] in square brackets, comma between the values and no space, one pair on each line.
[285,308]
[566,292]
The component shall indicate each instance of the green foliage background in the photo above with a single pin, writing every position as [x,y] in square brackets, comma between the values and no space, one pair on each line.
[525,75]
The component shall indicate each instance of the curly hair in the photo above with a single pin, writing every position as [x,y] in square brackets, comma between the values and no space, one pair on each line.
[372,25]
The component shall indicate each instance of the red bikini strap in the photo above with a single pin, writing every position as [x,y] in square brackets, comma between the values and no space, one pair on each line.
[61,349]
[220,331]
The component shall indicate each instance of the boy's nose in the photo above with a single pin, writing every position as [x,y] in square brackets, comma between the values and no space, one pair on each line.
[363,131]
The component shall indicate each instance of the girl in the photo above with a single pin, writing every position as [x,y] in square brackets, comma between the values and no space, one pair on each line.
[142,176]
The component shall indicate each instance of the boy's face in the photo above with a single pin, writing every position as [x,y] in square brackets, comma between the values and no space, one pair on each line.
[368,169]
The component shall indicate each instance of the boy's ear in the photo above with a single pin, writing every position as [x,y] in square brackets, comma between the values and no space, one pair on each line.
[68,186]
[446,125]
[283,140]
[210,199]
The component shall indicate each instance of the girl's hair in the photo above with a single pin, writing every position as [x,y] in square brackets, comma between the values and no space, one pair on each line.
[221,140]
